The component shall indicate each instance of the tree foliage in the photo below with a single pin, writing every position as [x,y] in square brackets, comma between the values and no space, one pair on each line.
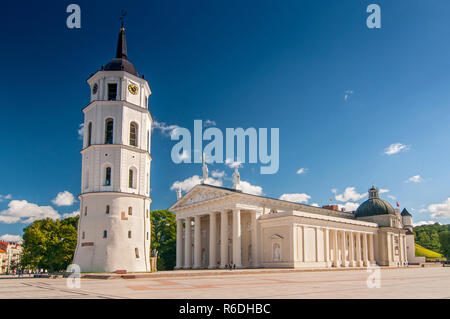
[49,244]
[444,239]
[428,236]
[164,236]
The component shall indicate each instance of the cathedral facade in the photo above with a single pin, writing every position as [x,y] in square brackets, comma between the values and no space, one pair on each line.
[114,231]
[219,226]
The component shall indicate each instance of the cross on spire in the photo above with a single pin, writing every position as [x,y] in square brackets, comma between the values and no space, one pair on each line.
[122,17]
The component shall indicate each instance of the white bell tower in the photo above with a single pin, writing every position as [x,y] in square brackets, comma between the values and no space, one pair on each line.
[114,228]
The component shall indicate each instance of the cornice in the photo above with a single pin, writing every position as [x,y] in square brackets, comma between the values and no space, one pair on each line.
[119,102]
[114,193]
[121,146]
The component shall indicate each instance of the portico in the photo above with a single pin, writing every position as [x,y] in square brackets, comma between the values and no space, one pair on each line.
[213,239]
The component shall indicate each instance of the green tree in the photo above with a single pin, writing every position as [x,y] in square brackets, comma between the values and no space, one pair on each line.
[49,244]
[444,238]
[428,236]
[164,238]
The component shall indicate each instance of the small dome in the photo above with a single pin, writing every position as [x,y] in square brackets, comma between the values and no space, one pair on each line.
[118,64]
[374,206]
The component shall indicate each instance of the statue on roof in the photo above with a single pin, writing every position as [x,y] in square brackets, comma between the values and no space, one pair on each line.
[204,169]
[236,178]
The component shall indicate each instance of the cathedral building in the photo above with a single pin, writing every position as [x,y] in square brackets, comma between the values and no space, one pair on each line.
[114,228]
[218,226]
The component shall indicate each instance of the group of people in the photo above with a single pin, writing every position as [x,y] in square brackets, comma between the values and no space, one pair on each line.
[230,266]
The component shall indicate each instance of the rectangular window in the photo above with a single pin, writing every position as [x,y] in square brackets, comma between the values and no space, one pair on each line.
[130,178]
[105,234]
[112,91]
[85,211]
[108,176]
[129,234]
[136,251]
[107,209]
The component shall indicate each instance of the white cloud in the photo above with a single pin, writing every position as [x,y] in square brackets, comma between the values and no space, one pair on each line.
[441,210]
[302,171]
[80,131]
[334,190]
[11,238]
[349,206]
[64,199]
[382,190]
[218,174]
[347,94]
[3,197]
[73,214]
[209,123]
[414,179]
[164,128]
[296,198]
[25,212]
[248,188]
[392,197]
[315,205]
[429,222]
[395,148]
[190,182]
[350,195]
[232,164]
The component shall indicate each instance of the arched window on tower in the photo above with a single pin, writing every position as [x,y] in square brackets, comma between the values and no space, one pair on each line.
[133,134]
[108,176]
[86,180]
[109,127]
[89,137]
[132,176]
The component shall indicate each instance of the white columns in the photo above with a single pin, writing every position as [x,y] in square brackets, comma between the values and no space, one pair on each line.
[187,244]
[197,243]
[223,239]
[351,251]
[326,248]
[335,249]
[212,240]
[316,229]
[371,249]
[237,238]
[179,264]
[255,259]
[344,249]
[365,254]
[358,250]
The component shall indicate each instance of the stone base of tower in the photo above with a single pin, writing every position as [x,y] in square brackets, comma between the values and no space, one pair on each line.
[114,238]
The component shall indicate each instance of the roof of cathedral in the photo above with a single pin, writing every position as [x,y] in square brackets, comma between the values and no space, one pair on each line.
[120,62]
[405,212]
[374,206]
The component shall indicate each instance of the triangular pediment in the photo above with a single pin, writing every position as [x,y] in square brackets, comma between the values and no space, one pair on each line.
[201,193]
[276,236]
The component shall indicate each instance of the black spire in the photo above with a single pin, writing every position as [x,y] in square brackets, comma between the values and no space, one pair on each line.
[121,52]
[120,61]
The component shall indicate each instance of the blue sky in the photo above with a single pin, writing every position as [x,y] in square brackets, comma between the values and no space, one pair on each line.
[340,94]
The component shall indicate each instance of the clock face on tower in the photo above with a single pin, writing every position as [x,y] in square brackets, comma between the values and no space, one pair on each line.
[133,88]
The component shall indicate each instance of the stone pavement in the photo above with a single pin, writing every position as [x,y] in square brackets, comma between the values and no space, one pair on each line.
[395,283]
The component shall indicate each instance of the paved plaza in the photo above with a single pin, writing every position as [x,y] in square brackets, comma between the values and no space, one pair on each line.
[395,283]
